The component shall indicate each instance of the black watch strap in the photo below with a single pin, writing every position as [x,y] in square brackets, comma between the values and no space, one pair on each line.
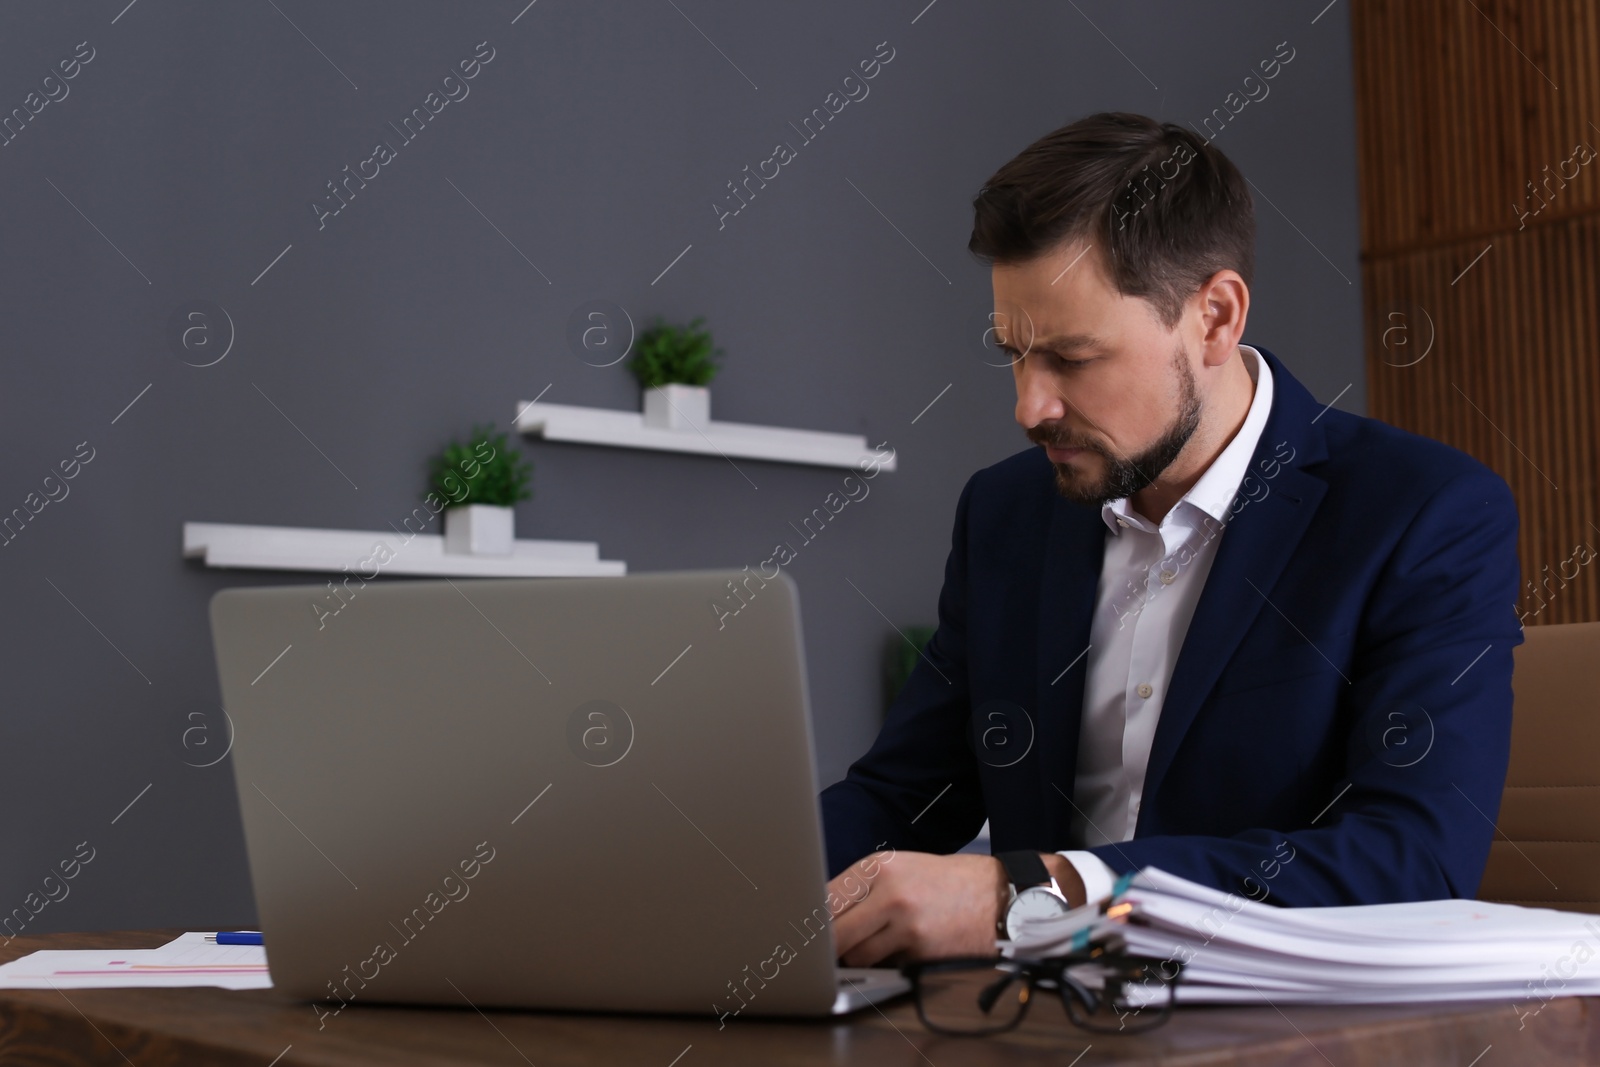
[1024,869]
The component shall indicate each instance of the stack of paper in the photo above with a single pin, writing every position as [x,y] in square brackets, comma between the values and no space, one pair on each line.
[185,961]
[1238,950]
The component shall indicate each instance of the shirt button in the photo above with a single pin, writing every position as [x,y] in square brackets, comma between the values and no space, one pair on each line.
[1167,577]
[1122,522]
[1145,690]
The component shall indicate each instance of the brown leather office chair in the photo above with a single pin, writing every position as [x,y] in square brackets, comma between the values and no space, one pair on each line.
[1546,850]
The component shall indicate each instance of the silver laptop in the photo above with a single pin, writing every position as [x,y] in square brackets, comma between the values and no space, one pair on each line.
[566,793]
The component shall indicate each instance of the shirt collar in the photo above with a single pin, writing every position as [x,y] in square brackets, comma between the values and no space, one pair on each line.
[1213,493]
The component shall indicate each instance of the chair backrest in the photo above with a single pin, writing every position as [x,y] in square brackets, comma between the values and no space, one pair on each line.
[1546,851]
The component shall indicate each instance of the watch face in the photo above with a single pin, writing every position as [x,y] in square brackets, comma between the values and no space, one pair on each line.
[1035,902]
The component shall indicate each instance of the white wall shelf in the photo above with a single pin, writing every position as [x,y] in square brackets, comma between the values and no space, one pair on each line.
[290,548]
[626,429]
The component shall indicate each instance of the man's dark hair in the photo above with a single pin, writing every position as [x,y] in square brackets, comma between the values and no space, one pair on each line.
[1170,209]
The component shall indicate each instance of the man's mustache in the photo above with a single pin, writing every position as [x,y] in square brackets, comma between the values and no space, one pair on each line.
[1054,440]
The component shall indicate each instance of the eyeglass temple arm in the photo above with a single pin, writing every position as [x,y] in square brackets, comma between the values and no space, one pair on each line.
[992,991]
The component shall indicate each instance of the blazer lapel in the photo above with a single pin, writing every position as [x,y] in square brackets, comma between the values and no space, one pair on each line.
[1253,551]
[1068,585]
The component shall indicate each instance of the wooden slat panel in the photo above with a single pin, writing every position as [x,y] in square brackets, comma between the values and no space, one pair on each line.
[1459,108]
[1457,115]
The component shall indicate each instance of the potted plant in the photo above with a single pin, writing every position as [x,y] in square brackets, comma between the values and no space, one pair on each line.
[480,480]
[674,364]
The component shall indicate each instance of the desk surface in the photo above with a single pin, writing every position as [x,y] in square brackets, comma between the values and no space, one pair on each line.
[151,1027]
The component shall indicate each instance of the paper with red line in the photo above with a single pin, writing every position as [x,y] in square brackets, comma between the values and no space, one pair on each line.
[188,960]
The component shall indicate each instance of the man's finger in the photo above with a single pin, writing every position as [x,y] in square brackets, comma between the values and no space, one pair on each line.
[885,942]
[861,921]
[847,890]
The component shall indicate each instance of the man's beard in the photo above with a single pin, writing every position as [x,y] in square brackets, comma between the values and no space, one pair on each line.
[1125,476]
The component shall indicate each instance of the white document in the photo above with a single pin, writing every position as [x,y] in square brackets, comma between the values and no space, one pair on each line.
[1236,950]
[188,960]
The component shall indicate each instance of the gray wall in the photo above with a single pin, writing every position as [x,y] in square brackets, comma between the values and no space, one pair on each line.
[186,156]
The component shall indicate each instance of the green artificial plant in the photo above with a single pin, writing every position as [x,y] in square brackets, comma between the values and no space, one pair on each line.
[483,471]
[674,355]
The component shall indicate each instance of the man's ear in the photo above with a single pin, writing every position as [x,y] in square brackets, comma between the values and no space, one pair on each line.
[1225,300]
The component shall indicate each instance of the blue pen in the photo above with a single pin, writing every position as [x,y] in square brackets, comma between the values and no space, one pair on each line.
[237,937]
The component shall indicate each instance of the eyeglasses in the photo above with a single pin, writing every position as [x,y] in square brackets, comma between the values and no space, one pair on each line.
[1102,990]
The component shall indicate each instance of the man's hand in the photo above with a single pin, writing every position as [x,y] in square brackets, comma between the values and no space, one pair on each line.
[918,905]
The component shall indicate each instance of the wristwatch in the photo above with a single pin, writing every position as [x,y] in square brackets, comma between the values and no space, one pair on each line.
[1034,893]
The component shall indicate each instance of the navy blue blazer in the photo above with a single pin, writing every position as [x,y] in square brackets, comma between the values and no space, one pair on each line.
[1338,722]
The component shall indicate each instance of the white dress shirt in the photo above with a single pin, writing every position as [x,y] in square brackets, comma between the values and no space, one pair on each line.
[1150,581]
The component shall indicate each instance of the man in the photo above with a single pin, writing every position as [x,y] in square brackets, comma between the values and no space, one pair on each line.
[1210,625]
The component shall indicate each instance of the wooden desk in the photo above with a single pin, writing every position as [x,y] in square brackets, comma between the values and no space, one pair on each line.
[152,1027]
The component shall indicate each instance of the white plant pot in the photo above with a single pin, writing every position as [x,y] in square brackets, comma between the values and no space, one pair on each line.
[677,407]
[479,530]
